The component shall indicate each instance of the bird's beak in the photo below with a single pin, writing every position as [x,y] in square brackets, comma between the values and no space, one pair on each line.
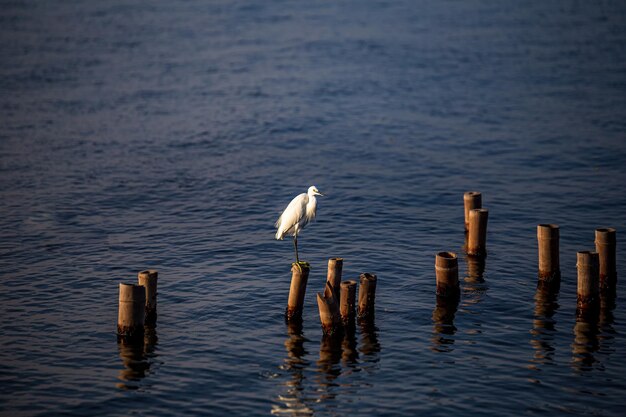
[318,193]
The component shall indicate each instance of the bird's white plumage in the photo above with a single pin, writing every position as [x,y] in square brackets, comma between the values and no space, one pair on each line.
[300,212]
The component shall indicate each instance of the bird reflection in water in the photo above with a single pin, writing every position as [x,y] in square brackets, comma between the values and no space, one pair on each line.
[542,333]
[294,401]
[137,355]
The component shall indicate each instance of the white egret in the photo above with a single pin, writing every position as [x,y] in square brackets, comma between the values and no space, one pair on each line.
[299,213]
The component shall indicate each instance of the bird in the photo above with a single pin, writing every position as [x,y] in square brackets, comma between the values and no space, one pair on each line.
[300,212]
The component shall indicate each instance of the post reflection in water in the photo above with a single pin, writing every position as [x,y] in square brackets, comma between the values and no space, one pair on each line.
[586,342]
[137,356]
[370,346]
[443,323]
[474,286]
[328,365]
[294,399]
[594,334]
[350,354]
[542,333]
[339,354]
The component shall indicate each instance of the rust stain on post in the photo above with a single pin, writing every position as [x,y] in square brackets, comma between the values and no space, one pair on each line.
[548,252]
[299,278]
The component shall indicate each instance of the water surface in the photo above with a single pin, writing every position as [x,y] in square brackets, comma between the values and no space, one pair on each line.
[170,135]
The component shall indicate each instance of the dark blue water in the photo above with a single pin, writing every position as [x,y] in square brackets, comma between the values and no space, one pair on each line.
[170,135]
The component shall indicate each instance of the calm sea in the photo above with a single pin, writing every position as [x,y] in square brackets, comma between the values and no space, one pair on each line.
[170,135]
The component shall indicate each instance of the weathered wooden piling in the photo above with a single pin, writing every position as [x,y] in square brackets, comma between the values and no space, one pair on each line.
[335,266]
[548,247]
[367,296]
[148,279]
[131,312]
[477,234]
[299,278]
[328,306]
[471,200]
[447,274]
[588,279]
[347,301]
[606,248]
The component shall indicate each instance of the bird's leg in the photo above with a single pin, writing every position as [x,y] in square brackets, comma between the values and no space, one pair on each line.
[295,243]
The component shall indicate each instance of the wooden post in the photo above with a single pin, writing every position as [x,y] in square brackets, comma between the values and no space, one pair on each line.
[131,313]
[367,296]
[335,265]
[477,234]
[606,248]
[588,279]
[471,200]
[347,301]
[299,278]
[447,274]
[149,279]
[548,247]
[328,306]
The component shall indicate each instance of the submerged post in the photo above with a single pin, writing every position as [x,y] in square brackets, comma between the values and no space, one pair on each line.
[447,274]
[588,279]
[328,307]
[367,296]
[477,234]
[347,301]
[606,248]
[548,246]
[471,200]
[149,279]
[299,278]
[335,265]
[131,312]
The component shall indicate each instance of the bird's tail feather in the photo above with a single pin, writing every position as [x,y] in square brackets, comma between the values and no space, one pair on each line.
[279,233]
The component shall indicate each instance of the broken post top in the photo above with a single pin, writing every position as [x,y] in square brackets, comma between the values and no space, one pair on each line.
[366,276]
[605,236]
